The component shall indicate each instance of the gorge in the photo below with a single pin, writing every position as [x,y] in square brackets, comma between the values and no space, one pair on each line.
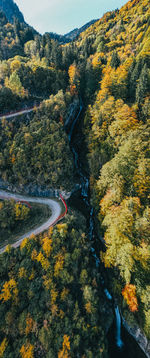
[75,121]
[117,347]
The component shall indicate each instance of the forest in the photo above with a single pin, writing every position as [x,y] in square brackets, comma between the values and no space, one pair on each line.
[51,300]
[35,151]
[10,213]
[18,217]
[117,134]
[50,296]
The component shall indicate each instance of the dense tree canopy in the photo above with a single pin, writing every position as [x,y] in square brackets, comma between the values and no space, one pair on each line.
[36,152]
[50,300]
[10,213]
[50,296]
[117,134]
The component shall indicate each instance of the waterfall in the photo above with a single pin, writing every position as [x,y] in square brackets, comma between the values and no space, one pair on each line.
[119,341]
[108,295]
[75,157]
[74,122]
[85,188]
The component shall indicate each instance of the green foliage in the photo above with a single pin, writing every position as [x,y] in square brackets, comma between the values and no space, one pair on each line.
[143,86]
[115,61]
[10,213]
[36,152]
[13,37]
[52,311]
[108,66]
[117,135]
[28,79]
[15,85]
[8,99]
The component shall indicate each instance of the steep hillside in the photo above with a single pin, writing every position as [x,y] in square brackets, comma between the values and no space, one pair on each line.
[123,30]
[38,150]
[11,10]
[76,32]
[52,300]
[117,131]
[13,37]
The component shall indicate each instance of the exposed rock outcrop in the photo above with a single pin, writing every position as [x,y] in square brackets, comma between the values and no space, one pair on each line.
[139,336]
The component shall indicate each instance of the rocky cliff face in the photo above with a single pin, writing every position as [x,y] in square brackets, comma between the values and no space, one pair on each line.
[11,10]
[139,336]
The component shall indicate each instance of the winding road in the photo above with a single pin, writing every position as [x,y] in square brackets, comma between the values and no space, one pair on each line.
[16,114]
[54,205]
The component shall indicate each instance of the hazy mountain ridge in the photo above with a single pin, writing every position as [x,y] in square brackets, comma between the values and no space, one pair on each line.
[11,11]
[72,35]
[76,32]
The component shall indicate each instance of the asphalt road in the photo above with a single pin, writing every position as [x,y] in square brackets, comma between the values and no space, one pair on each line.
[53,205]
[16,114]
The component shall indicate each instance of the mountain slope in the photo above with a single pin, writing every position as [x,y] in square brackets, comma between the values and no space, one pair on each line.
[72,35]
[11,10]
[117,133]
[13,37]
[108,67]
[76,32]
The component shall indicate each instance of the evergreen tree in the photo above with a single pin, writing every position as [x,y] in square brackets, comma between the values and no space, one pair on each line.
[143,85]
[134,74]
[115,60]
[56,54]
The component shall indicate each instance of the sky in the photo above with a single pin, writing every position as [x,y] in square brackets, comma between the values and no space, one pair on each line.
[62,16]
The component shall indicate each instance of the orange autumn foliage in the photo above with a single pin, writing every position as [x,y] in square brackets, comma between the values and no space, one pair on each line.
[43,260]
[29,324]
[47,246]
[64,353]
[59,264]
[72,72]
[9,291]
[73,78]
[130,296]
[27,351]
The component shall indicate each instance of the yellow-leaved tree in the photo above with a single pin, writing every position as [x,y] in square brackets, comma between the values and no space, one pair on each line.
[3,346]
[64,353]
[27,351]
[47,246]
[129,294]
[74,78]
[9,291]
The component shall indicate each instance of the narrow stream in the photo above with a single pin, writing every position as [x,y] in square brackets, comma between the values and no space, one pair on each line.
[119,341]
[118,346]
